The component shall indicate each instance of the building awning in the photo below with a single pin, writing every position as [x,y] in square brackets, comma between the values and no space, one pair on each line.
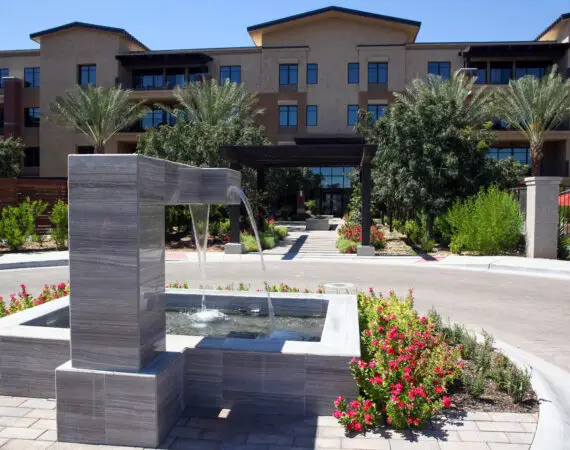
[164,58]
[535,50]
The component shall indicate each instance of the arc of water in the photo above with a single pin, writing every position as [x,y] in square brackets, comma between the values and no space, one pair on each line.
[200,214]
[245,201]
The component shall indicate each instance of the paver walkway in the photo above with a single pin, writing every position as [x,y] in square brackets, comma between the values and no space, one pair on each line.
[30,424]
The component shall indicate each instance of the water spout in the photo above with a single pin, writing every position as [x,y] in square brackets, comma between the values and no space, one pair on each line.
[252,219]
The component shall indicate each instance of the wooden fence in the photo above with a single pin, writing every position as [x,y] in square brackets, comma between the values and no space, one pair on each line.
[15,190]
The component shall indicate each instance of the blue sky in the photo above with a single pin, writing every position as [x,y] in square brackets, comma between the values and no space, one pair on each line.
[222,23]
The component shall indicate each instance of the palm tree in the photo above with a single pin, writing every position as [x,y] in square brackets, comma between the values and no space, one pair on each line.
[96,112]
[209,102]
[534,106]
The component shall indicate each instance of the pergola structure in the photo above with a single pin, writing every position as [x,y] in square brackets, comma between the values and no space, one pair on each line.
[306,152]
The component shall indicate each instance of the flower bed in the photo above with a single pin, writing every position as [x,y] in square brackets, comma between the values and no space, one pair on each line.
[24,300]
[413,366]
[350,236]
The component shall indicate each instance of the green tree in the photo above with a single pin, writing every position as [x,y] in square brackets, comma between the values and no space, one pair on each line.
[11,155]
[431,144]
[534,106]
[96,112]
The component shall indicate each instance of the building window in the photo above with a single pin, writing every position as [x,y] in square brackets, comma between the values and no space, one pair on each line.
[32,117]
[353,73]
[232,73]
[32,77]
[481,72]
[352,115]
[312,115]
[501,73]
[288,74]
[198,76]
[87,74]
[377,111]
[174,78]
[443,69]
[85,150]
[536,70]
[520,154]
[288,116]
[148,79]
[377,72]
[153,119]
[3,73]
[32,157]
[312,73]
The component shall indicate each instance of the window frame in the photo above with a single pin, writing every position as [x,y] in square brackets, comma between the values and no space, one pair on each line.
[348,112]
[288,109]
[289,70]
[80,68]
[316,112]
[494,152]
[376,107]
[28,122]
[232,69]
[377,66]
[355,65]
[2,69]
[36,157]
[313,67]
[440,64]
[35,77]
[503,69]
[154,116]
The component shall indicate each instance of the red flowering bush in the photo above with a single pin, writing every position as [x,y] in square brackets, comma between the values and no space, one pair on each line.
[24,300]
[405,368]
[353,232]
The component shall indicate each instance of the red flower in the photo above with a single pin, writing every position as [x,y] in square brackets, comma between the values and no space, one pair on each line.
[337,414]
[367,404]
[355,404]
[438,389]
[358,427]
[338,400]
[368,418]
[446,401]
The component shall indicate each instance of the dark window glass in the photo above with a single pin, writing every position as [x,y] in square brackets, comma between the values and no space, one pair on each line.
[232,73]
[443,69]
[377,72]
[148,79]
[3,73]
[32,77]
[501,73]
[32,117]
[288,116]
[87,74]
[312,73]
[32,157]
[85,150]
[352,115]
[197,76]
[481,75]
[536,70]
[377,111]
[153,119]
[353,73]
[520,154]
[288,73]
[312,115]
[174,77]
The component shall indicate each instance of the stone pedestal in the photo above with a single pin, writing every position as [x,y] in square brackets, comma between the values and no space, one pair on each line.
[233,249]
[542,217]
[365,250]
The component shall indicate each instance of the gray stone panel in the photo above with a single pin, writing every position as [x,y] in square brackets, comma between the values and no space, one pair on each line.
[203,377]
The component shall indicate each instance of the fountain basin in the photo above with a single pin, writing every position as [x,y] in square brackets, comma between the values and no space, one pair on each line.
[263,375]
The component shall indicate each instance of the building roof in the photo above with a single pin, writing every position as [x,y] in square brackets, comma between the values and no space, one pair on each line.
[536,49]
[121,31]
[562,18]
[331,9]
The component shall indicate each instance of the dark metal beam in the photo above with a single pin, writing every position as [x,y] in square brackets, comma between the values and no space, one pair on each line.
[366,180]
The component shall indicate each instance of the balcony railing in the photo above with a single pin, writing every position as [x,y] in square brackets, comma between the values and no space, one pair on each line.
[159,82]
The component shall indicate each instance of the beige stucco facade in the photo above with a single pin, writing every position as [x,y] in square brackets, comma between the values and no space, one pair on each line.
[331,38]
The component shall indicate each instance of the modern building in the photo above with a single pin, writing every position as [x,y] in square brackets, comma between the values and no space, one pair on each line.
[312,72]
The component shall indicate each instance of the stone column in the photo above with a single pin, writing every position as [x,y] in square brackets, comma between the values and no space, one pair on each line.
[365,249]
[542,217]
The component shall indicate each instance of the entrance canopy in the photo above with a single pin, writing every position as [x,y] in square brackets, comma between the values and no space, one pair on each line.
[306,152]
[313,151]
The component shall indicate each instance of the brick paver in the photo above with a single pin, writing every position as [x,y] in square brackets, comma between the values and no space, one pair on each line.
[30,424]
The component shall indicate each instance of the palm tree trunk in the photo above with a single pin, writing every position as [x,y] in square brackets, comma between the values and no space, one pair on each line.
[536,159]
[98,148]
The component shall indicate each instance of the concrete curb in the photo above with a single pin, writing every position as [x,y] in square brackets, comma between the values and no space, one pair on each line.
[34,264]
[552,386]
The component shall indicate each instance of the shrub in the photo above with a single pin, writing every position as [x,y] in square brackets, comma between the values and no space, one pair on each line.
[311,205]
[59,221]
[18,224]
[224,228]
[346,245]
[281,232]
[353,232]
[267,240]
[405,368]
[249,243]
[511,379]
[24,300]
[488,223]
[564,213]
[416,231]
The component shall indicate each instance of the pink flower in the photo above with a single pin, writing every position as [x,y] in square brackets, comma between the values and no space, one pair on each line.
[358,427]
[367,404]
[374,342]
[353,361]
[362,364]
[388,420]
[338,400]
[446,401]
[368,418]
[355,404]
[438,389]
[371,364]
[337,414]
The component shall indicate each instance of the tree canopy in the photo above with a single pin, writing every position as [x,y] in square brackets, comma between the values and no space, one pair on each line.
[96,112]
[534,106]
[11,155]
